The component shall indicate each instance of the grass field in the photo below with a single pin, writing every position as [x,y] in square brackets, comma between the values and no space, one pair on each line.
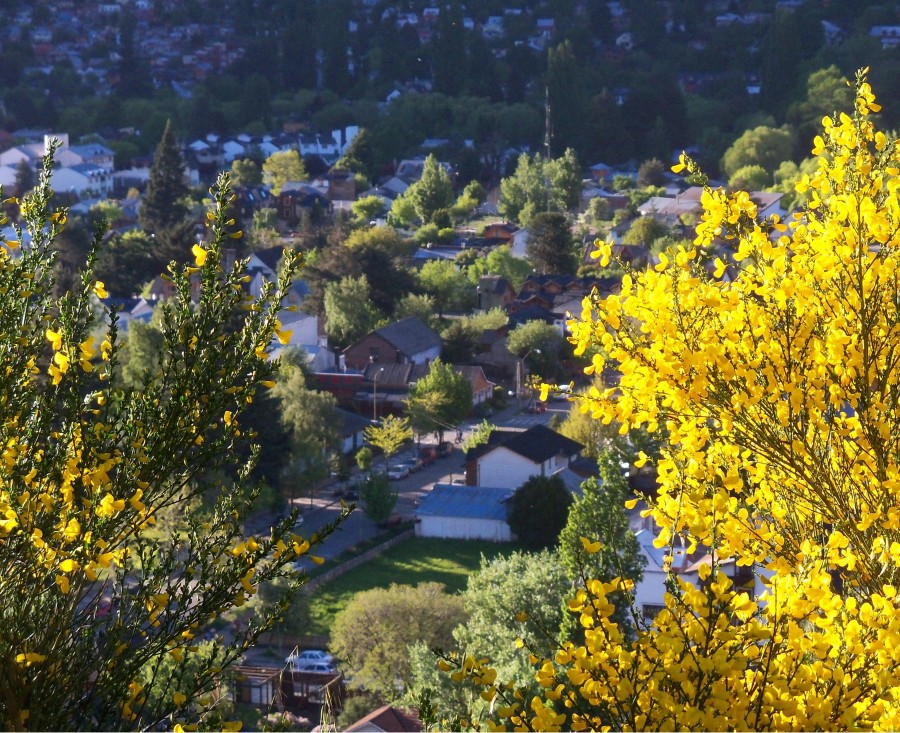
[418,560]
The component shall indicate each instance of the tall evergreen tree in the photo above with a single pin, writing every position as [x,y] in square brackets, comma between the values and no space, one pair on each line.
[550,248]
[164,214]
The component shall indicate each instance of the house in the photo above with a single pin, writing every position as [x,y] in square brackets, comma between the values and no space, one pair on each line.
[351,428]
[450,511]
[482,387]
[510,458]
[499,232]
[406,341]
[493,291]
[388,718]
[295,198]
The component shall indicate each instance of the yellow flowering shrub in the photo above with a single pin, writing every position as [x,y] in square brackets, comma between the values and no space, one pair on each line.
[779,388]
[89,604]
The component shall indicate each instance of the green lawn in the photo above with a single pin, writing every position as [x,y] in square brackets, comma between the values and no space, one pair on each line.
[418,560]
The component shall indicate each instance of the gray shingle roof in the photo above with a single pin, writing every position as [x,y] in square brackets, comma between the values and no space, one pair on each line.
[410,336]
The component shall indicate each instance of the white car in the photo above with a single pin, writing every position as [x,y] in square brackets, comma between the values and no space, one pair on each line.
[318,667]
[395,473]
[299,659]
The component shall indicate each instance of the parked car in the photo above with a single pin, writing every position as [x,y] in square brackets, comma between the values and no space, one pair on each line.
[299,659]
[537,407]
[397,472]
[319,667]
[413,464]
[444,449]
[428,455]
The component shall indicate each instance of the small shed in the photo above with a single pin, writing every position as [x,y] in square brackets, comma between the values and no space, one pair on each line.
[450,511]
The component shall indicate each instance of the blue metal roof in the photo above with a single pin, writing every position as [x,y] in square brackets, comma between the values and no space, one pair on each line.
[469,502]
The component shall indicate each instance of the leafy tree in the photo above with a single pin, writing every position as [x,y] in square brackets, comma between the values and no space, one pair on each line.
[564,176]
[538,584]
[550,248]
[143,352]
[390,435]
[126,261]
[367,208]
[598,515]
[281,167]
[651,173]
[750,178]
[349,313]
[765,146]
[245,172]
[91,463]
[386,239]
[364,458]
[444,281]
[377,496]
[432,192]
[308,415]
[372,634]
[500,261]
[793,473]
[403,212]
[524,193]
[420,306]
[538,342]
[480,435]
[439,400]
[538,511]
[645,230]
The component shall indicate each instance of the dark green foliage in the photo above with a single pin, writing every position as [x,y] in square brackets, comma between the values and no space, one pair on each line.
[377,496]
[538,511]
[551,248]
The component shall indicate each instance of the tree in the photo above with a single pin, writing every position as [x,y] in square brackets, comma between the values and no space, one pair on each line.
[390,435]
[500,261]
[538,511]
[782,455]
[439,400]
[750,178]
[524,193]
[245,172]
[25,177]
[281,167]
[564,176]
[367,208]
[91,601]
[126,262]
[432,192]
[598,515]
[764,146]
[538,584]
[372,634]
[444,281]
[538,342]
[645,230]
[349,313]
[651,173]
[377,496]
[308,415]
[550,247]
[164,214]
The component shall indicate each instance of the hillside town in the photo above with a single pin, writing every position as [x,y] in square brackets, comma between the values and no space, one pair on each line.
[438,476]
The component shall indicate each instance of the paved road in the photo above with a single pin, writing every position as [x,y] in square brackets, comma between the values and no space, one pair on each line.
[324,507]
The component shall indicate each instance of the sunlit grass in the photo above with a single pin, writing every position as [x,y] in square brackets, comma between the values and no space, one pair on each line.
[418,560]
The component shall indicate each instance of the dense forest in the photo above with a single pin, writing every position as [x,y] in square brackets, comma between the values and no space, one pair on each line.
[616,81]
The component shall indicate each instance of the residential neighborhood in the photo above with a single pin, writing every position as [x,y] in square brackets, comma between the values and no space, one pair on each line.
[455,442]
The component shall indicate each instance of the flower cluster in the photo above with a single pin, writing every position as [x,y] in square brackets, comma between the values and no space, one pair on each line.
[768,352]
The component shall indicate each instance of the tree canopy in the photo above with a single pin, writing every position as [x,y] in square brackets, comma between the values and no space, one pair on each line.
[439,400]
[281,167]
[538,511]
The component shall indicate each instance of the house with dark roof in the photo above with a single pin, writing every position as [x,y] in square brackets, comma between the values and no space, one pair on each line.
[494,291]
[510,457]
[402,342]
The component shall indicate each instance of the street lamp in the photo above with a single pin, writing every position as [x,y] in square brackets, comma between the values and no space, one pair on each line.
[375,394]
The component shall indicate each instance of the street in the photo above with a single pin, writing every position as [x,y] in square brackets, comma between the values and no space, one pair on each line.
[319,510]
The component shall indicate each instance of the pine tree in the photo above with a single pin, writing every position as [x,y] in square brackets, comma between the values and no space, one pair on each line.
[164,215]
